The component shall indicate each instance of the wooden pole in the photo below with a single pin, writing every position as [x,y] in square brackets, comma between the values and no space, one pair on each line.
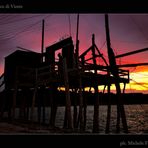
[85,111]
[77,42]
[44,105]
[39,106]
[68,101]
[115,73]
[77,36]
[42,46]
[22,105]
[34,96]
[15,94]
[53,106]
[108,111]
[81,112]
[96,105]
[14,102]
[75,112]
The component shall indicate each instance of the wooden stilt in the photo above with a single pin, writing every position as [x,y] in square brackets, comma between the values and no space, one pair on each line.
[53,106]
[68,101]
[22,105]
[108,111]
[44,110]
[121,111]
[39,106]
[96,104]
[14,102]
[75,113]
[3,104]
[115,72]
[81,107]
[14,96]
[80,118]
[118,119]
[65,125]
[85,113]
[96,112]
[27,106]
[81,99]
[34,96]
[43,104]
[33,103]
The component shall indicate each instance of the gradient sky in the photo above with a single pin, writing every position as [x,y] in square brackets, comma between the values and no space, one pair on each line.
[128,32]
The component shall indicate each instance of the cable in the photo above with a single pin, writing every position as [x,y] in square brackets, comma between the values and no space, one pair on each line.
[25,29]
[104,43]
[6,36]
[14,31]
[19,20]
[28,27]
[140,29]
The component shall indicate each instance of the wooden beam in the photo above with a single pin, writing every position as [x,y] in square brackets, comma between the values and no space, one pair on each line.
[131,53]
[133,65]
[85,52]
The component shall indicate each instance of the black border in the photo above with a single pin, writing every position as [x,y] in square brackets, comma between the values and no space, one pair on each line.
[75,6]
[69,140]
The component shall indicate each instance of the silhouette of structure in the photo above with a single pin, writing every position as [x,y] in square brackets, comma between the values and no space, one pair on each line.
[31,82]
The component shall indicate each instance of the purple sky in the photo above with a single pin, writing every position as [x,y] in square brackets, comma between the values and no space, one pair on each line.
[128,32]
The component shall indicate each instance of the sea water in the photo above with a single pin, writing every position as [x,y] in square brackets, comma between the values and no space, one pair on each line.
[137,117]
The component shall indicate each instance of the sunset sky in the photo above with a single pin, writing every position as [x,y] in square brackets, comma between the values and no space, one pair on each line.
[128,32]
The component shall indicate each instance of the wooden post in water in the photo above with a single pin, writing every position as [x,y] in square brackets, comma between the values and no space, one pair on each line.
[39,105]
[75,111]
[34,96]
[85,111]
[68,101]
[115,72]
[14,102]
[81,109]
[96,104]
[22,105]
[14,94]
[53,104]
[43,104]
[108,110]
[27,104]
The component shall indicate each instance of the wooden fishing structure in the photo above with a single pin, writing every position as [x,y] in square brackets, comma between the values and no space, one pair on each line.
[32,82]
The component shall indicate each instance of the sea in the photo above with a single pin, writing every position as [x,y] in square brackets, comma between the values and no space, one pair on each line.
[137,118]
